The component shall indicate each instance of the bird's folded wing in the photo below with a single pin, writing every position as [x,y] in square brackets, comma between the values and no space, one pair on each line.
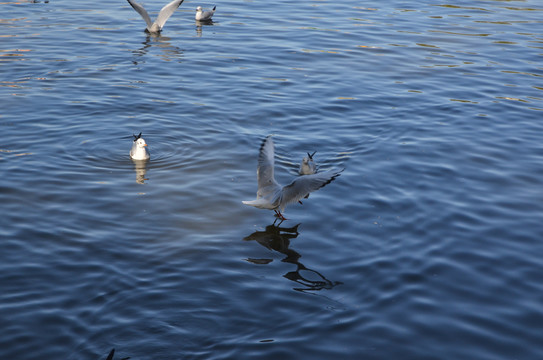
[133,150]
[207,15]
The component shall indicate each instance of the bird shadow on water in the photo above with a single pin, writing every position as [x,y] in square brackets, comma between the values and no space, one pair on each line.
[278,238]
[168,52]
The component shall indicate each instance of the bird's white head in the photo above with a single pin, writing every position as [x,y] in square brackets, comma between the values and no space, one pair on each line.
[141,143]
[199,8]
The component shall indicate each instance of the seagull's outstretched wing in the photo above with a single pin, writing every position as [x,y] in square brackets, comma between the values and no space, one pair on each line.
[264,171]
[140,10]
[166,12]
[303,185]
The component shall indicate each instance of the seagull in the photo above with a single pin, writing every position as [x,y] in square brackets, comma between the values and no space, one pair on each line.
[204,15]
[139,149]
[308,166]
[271,195]
[163,15]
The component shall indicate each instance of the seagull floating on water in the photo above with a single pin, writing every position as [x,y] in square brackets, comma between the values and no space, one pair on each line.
[308,166]
[204,15]
[271,195]
[163,15]
[139,149]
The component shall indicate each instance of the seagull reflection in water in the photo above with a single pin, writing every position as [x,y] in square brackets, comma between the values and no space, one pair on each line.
[140,167]
[169,51]
[278,238]
[199,25]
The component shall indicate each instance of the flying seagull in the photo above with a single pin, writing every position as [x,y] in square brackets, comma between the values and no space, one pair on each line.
[204,15]
[139,149]
[271,195]
[308,166]
[163,15]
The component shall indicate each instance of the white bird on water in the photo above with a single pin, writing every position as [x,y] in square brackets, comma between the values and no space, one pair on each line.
[139,149]
[308,166]
[163,15]
[204,15]
[271,195]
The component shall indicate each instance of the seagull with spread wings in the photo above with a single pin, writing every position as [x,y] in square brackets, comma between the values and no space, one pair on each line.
[163,15]
[271,195]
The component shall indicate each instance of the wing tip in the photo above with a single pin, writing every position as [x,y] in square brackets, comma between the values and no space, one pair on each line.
[333,177]
[264,142]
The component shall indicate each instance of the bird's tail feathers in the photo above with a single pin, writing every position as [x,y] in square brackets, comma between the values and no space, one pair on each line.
[259,203]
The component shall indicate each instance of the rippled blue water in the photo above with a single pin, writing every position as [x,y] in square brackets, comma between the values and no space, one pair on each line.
[428,246]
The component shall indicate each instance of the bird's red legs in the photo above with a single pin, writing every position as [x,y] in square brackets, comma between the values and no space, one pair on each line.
[279,215]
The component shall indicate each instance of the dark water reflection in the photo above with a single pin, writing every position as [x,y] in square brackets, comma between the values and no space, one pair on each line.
[278,238]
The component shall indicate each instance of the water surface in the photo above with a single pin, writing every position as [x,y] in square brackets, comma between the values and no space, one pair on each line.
[428,246]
